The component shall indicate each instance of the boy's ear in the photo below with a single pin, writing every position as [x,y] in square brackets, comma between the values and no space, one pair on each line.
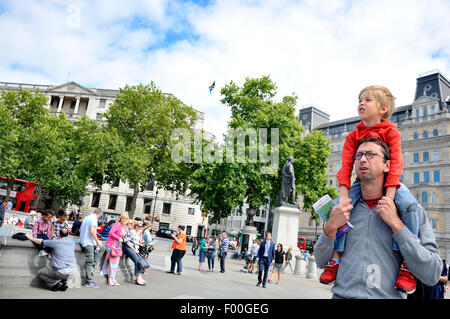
[384,109]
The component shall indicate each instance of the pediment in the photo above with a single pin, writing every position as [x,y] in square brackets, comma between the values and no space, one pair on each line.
[425,99]
[71,87]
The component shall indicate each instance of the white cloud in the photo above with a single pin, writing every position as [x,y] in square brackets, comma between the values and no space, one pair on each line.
[324,51]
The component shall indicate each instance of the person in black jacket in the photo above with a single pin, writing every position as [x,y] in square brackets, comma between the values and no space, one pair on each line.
[2,212]
[76,226]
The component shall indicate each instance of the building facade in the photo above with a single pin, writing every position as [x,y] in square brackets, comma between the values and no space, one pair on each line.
[77,101]
[425,131]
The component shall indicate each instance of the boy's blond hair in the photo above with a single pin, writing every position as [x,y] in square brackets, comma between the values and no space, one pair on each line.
[383,97]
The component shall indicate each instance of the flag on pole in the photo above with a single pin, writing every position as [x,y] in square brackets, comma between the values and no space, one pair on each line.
[212,86]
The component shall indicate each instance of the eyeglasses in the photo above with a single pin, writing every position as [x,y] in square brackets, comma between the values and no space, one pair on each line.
[369,155]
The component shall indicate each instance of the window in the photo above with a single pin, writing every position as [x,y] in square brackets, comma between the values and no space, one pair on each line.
[116,182]
[436,155]
[433,198]
[112,202]
[3,184]
[417,113]
[339,148]
[128,203]
[99,116]
[150,184]
[425,134]
[415,136]
[435,132]
[416,157]
[437,176]
[163,225]
[147,205]
[331,182]
[19,186]
[426,177]
[166,208]
[131,186]
[433,109]
[426,156]
[95,199]
[188,230]
[424,197]
[416,178]
[72,104]
[425,111]
[191,211]
[338,166]
[434,223]
[102,103]
[37,190]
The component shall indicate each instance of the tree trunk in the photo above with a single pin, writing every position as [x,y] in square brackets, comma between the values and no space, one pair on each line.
[133,202]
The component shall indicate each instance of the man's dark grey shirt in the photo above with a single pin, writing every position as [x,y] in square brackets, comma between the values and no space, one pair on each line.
[369,267]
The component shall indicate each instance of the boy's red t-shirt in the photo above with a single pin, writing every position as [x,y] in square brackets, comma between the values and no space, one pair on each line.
[385,131]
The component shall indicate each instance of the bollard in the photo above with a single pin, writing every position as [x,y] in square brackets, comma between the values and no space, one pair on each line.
[300,265]
[312,268]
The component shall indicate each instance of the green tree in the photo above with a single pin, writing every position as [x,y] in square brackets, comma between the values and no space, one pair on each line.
[253,107]
[142,119]
[47,148]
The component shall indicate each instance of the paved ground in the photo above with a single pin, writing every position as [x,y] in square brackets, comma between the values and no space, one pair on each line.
[233,284]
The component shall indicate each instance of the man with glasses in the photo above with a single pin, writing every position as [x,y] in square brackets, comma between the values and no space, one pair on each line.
[369,266]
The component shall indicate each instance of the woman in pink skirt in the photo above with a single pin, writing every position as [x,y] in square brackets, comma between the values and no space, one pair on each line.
[115,239]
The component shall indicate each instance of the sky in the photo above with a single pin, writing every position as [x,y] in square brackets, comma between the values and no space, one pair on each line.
[323,51]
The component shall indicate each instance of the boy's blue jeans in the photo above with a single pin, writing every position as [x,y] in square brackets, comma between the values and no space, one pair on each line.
[407,207]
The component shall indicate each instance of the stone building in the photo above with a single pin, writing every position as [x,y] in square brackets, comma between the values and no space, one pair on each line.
[425,128]
[76,101]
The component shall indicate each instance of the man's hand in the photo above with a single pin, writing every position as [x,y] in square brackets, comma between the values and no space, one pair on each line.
[339,215]
[387,211]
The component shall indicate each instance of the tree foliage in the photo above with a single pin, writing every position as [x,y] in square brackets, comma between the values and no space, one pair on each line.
[222,187]
[47,148]
[142,120]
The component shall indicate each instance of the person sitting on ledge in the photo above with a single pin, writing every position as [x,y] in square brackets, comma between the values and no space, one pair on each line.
[64,263]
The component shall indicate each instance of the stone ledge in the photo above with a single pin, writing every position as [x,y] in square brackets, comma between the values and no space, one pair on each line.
[20,264]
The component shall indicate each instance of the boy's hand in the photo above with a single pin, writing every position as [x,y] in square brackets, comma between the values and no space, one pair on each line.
[339,215]
[387,211]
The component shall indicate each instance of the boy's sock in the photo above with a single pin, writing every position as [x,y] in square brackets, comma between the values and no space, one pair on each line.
[336,260]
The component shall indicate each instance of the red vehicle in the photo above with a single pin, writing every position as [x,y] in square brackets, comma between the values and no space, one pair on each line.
[305,244]
[24,195]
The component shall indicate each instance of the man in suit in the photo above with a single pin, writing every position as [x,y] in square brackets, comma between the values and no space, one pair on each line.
[265,257]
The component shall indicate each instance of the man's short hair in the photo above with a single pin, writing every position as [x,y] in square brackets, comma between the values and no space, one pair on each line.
[98,211]
[181,226]
[63,232]
[384,147]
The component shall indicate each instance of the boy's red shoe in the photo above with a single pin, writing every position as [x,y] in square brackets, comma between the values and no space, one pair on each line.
[329,274]
[405,282]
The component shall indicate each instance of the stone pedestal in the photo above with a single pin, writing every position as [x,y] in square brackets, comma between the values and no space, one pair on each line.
[285,227]
[249,233]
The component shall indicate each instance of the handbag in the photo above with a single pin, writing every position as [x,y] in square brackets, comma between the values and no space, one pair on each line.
[143,263]
[116,249]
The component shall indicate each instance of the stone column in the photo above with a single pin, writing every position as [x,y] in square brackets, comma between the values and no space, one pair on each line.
[77,104]
[61,102]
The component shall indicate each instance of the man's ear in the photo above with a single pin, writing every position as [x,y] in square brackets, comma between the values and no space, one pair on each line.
[387,166]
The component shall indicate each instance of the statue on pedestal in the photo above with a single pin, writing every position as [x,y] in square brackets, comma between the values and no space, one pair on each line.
[287,182]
